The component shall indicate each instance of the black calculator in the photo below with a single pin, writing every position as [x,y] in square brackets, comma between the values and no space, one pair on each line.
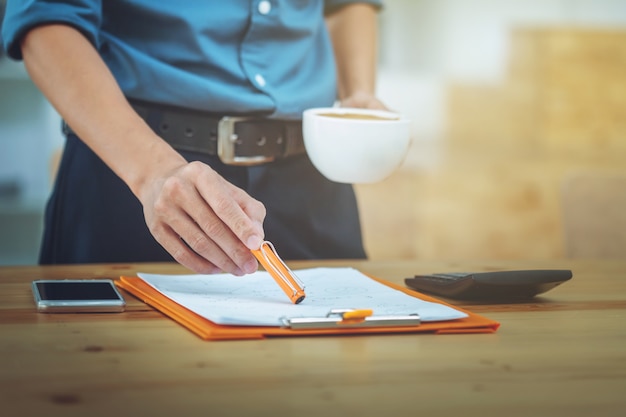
[489,286]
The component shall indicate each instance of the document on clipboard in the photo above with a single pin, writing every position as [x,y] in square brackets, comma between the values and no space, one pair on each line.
[223,306]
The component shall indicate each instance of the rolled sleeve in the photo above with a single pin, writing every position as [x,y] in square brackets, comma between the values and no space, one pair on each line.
[24,15]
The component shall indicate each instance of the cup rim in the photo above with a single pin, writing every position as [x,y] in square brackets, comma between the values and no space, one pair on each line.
[386,115]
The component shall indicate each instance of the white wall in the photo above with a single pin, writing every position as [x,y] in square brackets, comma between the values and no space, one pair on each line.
[424,43]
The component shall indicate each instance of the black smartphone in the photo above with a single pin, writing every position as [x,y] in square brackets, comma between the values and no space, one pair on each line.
[77,296]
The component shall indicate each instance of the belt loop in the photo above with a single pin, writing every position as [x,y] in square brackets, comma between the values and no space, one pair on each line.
[293,141]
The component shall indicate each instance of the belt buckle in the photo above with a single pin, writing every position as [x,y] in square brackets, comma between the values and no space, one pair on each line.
[227,140]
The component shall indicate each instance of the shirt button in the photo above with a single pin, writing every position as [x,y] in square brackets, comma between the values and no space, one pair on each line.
[260,80]
[265,7]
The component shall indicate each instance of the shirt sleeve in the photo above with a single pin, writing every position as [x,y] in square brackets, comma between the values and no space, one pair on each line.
[24,15]
[331,5]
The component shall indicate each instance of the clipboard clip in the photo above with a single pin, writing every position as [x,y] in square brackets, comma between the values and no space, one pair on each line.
[349,318]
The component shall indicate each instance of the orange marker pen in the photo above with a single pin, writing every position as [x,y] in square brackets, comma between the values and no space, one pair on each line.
[281,273]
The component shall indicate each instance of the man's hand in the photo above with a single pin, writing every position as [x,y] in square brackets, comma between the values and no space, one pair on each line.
[203,221]
[363,101]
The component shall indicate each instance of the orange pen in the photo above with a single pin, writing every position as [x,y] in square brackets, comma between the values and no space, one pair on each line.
[281,273]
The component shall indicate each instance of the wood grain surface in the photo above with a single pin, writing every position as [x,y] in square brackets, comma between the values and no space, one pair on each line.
[561,354]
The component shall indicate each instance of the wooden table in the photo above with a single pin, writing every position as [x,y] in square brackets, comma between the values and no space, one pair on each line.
[561,354]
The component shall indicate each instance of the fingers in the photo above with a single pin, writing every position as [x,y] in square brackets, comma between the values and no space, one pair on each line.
[204,222]
[212,239]
[364,101]
[183,254]
[242,214]
[245,217]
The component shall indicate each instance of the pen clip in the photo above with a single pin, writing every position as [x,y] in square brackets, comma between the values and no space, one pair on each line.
[288,281]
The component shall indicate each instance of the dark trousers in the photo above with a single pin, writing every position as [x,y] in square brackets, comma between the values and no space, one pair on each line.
[92,217]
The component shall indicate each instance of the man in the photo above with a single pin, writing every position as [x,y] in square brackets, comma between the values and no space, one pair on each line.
[148,91]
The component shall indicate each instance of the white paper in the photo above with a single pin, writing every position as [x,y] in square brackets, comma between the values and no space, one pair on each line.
[257,300]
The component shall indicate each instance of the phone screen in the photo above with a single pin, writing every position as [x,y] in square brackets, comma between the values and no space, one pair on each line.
[75,290]
[77,295]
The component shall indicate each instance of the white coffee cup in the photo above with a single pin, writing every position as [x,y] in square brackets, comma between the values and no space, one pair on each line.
[350,145]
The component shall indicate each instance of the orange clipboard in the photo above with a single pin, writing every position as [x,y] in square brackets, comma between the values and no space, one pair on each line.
[208,330]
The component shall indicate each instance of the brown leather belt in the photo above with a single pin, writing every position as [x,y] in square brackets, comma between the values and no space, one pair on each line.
[236,140]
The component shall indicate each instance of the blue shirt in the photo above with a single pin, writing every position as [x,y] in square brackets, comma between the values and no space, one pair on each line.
[271,57]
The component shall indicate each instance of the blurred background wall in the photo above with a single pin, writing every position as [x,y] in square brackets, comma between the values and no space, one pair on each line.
[519,119]
[519,134]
